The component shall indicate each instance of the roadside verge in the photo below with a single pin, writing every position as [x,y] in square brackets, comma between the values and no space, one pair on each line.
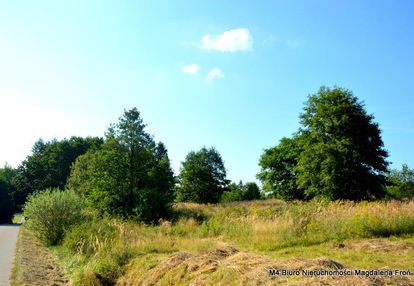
[34,264]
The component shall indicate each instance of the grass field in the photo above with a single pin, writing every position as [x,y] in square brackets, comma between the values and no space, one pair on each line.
[238,242]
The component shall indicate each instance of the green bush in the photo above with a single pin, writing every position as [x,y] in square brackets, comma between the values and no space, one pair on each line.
[90,237]
[52,212]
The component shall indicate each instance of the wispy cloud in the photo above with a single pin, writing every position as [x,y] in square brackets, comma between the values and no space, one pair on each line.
[230,41]
[213,74]
[191,69]
[270,40]
[273,40]
[292,44]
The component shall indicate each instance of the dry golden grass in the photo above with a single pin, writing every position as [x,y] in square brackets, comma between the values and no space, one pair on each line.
[272,233]
[229,266]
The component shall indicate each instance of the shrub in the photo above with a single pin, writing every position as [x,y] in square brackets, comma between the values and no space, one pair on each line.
[90,237]
[52,212]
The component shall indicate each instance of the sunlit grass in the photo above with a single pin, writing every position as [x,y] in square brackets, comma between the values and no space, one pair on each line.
[103,248]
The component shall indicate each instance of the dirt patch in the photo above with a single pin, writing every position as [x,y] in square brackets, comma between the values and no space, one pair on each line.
[375,245]
[229,266]
[35,264]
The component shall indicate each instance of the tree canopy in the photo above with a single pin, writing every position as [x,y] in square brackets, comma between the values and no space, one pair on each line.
[241,192]
[202,177]
[130,175]
[337,153]
[49,165]
[401,183]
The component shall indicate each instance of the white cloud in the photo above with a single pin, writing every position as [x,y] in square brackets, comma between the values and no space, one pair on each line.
[229,41]
[214,73]
[191,69]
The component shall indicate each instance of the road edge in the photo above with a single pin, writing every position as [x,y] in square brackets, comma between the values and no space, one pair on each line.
[15,273]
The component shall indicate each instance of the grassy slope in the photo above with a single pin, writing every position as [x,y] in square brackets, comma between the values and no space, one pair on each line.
[356,235]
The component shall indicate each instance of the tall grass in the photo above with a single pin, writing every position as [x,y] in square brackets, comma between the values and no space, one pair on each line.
[306,223]
[97,251]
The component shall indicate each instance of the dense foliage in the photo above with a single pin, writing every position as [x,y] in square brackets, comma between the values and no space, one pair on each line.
[6,203]
[241,192]
[130,175]
[401,183]
[203,177]
[338,152]
[51,213]
[49,165]
[278,169]
[7,189]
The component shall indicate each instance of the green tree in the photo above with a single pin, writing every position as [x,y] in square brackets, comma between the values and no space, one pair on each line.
[234,193]
[401,183]
[129,176]
[277,169]
[101,176]
[7,205]
[338,152]
[203,177]
[251,191]
[49,165]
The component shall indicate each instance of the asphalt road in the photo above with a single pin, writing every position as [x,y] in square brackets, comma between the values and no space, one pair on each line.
[8,238]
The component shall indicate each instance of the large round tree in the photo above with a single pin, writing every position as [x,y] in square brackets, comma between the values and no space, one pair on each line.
[341,156]
[203,177]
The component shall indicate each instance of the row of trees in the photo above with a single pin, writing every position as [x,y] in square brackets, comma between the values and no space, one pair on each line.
[337,153]
[47,167]
[126,174]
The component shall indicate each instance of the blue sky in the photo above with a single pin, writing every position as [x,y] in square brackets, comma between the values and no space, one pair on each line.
[229,74]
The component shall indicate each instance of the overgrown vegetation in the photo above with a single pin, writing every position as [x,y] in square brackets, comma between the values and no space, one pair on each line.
[51,213]
[102,250]
[49,165]
[241,192]
[112,210]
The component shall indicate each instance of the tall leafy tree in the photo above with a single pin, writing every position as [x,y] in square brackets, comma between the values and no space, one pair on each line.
[130,175]
[341,153]
[203,177]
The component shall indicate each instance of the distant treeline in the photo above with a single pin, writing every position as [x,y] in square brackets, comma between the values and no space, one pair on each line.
[337,153]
